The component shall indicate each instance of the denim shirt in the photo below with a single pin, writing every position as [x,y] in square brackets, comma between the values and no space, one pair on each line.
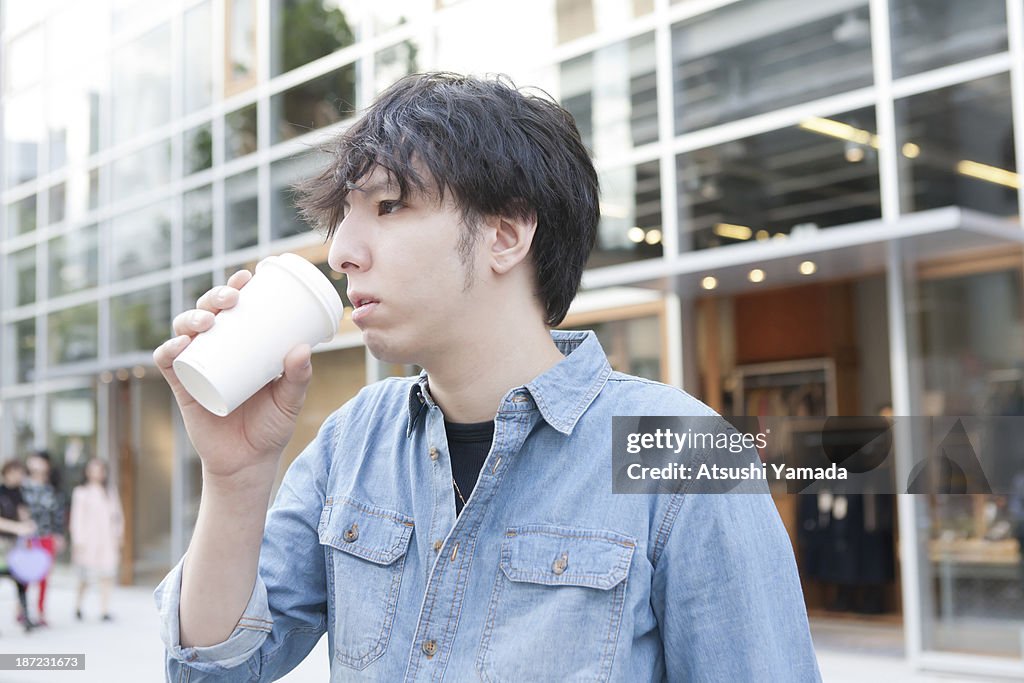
[545,574]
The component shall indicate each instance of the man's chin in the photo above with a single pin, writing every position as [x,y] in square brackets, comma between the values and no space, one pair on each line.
[384,349]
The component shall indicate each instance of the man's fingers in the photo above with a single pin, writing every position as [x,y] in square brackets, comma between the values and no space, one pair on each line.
[217,299]
[290,389]
[164,357]
[239,278]
[192,322]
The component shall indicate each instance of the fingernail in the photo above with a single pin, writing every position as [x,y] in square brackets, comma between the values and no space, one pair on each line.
[197,317]
[309,361]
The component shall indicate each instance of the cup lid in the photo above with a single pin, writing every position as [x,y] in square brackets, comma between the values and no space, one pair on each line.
[316,282]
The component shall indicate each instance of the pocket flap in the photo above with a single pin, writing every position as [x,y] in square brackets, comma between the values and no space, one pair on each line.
[563,556]
[366,531]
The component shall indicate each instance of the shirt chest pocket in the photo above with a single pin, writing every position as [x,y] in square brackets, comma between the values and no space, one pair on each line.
[365,548]
[556,605]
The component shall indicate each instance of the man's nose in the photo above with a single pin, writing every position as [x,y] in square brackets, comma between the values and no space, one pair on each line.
[349,251]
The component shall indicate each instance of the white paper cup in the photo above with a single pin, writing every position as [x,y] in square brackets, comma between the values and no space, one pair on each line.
[287,302]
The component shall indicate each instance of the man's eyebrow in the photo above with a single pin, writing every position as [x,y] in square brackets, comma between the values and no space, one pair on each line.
[373,188]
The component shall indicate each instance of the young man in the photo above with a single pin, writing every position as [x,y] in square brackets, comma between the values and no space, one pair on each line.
[462,212]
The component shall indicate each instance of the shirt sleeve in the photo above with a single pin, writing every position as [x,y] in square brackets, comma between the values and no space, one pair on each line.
[726,592]
[287,611]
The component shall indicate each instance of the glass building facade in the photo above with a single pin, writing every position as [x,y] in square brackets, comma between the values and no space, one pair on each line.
[806,207]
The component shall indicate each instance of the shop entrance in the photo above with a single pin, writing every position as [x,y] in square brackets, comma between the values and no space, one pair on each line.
[813,350]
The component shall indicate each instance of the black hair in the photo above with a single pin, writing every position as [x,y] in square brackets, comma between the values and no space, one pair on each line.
[55,477]
[11,464]
[498,150]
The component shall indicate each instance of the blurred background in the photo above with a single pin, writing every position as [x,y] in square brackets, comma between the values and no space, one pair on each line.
[809,208]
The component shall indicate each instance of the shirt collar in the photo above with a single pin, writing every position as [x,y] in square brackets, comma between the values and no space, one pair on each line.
[562,393]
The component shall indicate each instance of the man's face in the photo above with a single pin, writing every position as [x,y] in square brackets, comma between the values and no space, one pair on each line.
[13,477]
[404,258]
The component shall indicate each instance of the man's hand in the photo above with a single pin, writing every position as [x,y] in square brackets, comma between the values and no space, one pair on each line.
[252,438]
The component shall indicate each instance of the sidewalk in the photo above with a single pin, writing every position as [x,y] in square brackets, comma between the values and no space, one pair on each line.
[129,648]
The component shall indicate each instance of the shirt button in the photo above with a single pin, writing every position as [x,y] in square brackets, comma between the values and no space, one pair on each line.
[351,534]
[430,647]
[437,545]
[433,453]
[560,564]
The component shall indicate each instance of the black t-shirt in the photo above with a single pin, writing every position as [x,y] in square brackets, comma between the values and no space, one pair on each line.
[469,445]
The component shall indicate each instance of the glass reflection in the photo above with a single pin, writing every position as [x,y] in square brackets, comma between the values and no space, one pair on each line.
[820,173]
[197,212]
[141,92]
[198,148]
[630,227]
[138,320]
[72,334]
[21,277]
[393,63]
[144,170]
[956,148]
[928,34]
[194,287]
[57,200]
[284,217]
[240,131]
[305,30]
[240,36]
[21,216]
[197,74]
[241,215]
[751,57]
[74,261]
[612,93]
[314,104]
[23,135]
[24,345]
[141,241]
[578,18]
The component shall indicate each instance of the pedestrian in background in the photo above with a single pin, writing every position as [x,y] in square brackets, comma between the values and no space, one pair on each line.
[46,507]
[14,521]
[97,531]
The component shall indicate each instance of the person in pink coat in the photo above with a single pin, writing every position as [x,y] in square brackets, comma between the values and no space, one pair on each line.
[97,532]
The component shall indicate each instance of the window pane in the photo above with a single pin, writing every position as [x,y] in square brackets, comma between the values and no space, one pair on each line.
[751,57]
[24,63]
[241,45]
[71,436]
[18,421]
[198,148]
[957,148]
[612,93]
[314,104]
[928,34]
[633,345]
[72,334]
[305,30]
[198,226]
[141,241]
[21,277]
[21,216]
[395,62]
[142,84]
[240,132]
[578,18]
[389,14]
[74,261]
[630,227]
[820,173]
[57,196]
[198,54]
[23,134]
[24,344]
[144,170]
[241,215]
[284,217]
[139,321]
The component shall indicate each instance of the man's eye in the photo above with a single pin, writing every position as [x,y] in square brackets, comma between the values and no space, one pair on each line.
[388,206]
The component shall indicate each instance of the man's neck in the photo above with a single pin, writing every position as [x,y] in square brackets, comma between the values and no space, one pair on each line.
[469,384]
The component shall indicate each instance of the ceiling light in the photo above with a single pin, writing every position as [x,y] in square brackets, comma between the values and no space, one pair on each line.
[736,232]
[709,282]
[992,174]
[808,268]
[636,235]
[653,237]
[139,371]
[838,129]
[756,275]
[762,235]
[910,150]
[854,153]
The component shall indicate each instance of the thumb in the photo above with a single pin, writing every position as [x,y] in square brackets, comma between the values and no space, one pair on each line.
[290,389]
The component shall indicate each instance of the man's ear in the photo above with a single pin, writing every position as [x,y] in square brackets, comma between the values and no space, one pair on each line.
[509,241]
